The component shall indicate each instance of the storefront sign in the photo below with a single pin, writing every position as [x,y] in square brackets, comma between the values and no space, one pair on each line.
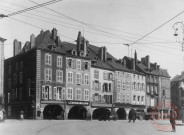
[85,103]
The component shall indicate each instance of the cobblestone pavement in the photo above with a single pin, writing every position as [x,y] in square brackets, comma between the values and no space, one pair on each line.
[94,127]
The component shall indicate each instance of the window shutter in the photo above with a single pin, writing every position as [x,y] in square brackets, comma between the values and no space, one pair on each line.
[82,78]
[43,92]
[50,92]
[74,77]
[99,86]
[55,93]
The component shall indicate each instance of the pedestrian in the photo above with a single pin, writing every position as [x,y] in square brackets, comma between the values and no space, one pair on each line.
[173,116]
[21,115]
[132,115]
[1,116]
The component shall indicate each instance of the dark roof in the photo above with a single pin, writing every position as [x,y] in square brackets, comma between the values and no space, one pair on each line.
[176,78]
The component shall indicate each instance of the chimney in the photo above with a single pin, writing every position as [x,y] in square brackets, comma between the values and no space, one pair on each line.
[57,40]
[124,62]
[158,67]
[133,64]
[16,47]
[41,32]
[79,42]
[101,53]
[84,47]
[104,53]
[143,61]
[32,40]
[54,34]
[135,57]
[155,66]
[148,61]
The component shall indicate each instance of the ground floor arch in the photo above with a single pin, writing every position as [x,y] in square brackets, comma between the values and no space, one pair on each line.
[77,112]
[53,112]
[97,113]
[121,114]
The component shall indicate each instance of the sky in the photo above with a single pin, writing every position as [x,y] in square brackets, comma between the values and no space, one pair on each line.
[110,23]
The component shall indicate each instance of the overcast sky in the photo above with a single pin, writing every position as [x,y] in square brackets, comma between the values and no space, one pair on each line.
[112,24]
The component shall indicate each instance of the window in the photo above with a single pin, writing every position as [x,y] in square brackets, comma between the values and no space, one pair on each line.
[46,92]
[105,75]
[128,97]
[70,93]
[78,64]
[123,98]
[142,86]
[156,90]
[110,76]
[105,87]
[118,85]
[59,76]
[64,94]
[96,74]
[9,69]
[48,74]
[15,78]
[9,97]
[134,85]
[86,65]
[163,92]
[118,97]
[148,90]
[138,98]
[20,94]
[79,78]
[123,85]
[86,95]
[86,79]
[16,66]
[59,61]
[9,83]
[119,74]
[48,59]
[21,65]
[70,77]
[20,77]
[78,94]
[128,85]
[69,63]
[134,97]
[73,63]
[110,87]
[57,93]
[142,98]
[96,85]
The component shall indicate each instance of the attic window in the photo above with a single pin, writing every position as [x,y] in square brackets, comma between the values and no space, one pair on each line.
[73,52]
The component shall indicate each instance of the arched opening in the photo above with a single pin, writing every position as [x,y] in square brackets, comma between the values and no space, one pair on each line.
[77,112]
[97,113]
[53,112]
[121,113]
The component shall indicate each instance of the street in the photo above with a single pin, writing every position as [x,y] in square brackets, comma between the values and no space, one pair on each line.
[79,127]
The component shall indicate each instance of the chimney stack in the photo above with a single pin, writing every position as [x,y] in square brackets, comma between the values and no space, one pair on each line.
[135,57]
[148,61]
[54,34]
[133,64]
[32,40]
[79,42]
[101,53]
[104,53]
[16,47]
